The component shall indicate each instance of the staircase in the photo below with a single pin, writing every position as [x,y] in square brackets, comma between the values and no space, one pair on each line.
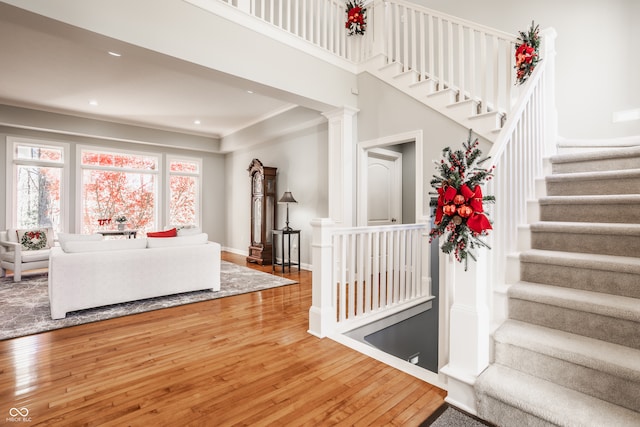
[448,100]
[569,352]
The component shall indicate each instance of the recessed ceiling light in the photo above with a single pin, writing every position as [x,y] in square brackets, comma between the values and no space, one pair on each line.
[249,91]
[93,102]
[112,53]
[196,122]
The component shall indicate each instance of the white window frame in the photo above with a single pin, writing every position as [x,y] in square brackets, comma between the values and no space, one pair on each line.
[107,150]
[198,161]
[11,170]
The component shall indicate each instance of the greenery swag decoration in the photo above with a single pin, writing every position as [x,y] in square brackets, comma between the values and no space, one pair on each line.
[459,206]
[356,18]
[527,53]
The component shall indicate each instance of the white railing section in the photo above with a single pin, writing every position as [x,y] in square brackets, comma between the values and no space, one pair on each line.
[518,155]
[367,273]
[320,22]
[475,60]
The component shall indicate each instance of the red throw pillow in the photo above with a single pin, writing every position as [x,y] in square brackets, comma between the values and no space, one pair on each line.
[169,233]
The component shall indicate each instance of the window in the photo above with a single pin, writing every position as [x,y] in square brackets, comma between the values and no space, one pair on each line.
[38,179]
[184,191]
[115,184]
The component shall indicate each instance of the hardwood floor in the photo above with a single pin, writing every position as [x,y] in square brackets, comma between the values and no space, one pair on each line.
[241,360]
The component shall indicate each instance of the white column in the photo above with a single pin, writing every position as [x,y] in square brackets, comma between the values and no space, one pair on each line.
[468,331]
[322,315]
[342,143]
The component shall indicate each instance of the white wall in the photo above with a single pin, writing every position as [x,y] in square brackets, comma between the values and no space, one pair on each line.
[302,162]
[385,111]
[597,67]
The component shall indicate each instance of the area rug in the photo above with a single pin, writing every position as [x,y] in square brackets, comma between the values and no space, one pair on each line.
[449,416]
[25,305]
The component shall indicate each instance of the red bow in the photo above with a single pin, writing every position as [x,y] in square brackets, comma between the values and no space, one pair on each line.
[476,221]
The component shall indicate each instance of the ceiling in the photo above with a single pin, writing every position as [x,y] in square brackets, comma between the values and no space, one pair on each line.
[52,66]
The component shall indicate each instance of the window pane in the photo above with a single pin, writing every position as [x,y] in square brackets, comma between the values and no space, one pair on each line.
[38,197]
[183,166]
[107,194]
[119,160]
[42,153]
[183,203]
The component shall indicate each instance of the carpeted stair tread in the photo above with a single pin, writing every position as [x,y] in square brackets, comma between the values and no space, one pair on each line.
[613,306]
[594,176]
[555,404]
[587,228]
[611,358]
[621,153]
[597,199]
[625,181]
[588,261]
[618,208]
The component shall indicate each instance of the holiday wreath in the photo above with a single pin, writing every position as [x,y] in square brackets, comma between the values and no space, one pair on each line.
[459,206]
[356,17]
[527,53]
[34,240]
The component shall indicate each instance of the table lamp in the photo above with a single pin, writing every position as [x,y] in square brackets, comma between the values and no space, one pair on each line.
[287,198]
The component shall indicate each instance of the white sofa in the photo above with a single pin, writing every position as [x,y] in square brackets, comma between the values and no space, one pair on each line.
[85,273]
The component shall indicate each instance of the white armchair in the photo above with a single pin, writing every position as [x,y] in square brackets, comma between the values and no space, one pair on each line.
[15,258]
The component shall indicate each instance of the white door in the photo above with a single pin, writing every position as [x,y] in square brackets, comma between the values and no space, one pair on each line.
[384,187]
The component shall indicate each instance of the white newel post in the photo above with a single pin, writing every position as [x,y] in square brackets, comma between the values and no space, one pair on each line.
[342,143]
[322,314]
[468,331]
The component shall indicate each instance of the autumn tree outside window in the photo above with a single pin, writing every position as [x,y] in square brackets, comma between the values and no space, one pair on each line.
[117,183]
[38,180]
[184,191]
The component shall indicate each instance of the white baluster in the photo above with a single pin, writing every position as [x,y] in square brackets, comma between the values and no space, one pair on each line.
[461,55]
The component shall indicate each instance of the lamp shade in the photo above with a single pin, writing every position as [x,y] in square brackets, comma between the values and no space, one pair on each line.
[287,197]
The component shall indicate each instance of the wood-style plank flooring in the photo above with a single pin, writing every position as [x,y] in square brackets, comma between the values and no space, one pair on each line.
[241,360]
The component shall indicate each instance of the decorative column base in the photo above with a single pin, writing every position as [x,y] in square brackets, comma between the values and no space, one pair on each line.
[460,390]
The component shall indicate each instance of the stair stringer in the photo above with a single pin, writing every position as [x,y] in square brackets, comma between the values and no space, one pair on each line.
[446,100]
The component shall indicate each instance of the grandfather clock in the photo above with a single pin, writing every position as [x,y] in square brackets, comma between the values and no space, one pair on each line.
[263,212]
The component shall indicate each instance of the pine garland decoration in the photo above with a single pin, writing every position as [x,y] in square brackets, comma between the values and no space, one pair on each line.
[459,207]
[527,53]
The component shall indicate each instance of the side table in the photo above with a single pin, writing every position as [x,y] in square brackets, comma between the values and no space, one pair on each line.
[131,234]
[284,237]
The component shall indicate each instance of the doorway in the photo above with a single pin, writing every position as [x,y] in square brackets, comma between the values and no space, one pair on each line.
[384,187]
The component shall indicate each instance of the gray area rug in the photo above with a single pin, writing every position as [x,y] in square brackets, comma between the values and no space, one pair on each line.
[448,416]
[25,305]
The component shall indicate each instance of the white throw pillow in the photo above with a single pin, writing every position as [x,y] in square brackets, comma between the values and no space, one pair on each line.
[163,242]
[189,231]
[103,245]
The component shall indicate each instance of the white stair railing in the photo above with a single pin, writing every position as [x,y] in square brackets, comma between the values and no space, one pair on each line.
[366,273]
[527,138]
[319,22]
[473,60]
